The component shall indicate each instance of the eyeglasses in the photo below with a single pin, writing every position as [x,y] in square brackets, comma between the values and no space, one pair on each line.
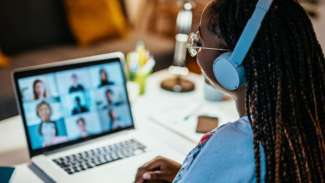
[194,45]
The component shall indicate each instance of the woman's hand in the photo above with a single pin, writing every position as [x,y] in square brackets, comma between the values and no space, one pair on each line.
[158,169]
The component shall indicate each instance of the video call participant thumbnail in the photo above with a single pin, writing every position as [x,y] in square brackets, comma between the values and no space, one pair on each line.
[47,127]
[111,100]
[82,127]
[39,90]
[109,96]
[104,79]
[115,119]
[78,107]
[76,86]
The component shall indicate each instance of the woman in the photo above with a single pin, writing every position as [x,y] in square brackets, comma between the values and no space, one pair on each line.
[280,135]
[82,127]
[115,120]
[104,80]
[39,90]
[109,97]
[47,128]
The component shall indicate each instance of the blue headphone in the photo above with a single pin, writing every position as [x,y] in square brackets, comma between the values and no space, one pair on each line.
[227,68]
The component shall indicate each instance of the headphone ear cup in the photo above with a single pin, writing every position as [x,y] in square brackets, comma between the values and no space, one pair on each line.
[229,76]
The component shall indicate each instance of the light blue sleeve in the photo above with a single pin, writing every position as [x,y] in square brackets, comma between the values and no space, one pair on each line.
[228,157]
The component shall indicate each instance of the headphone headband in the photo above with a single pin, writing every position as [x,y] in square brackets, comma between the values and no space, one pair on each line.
[250,31]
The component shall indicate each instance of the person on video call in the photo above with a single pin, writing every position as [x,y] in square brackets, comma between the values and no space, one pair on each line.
[115,119]
[78,107]
[104,79]
[76,86]
[280,136]
[39,89]
[109,99]
[81,124]
[47,128]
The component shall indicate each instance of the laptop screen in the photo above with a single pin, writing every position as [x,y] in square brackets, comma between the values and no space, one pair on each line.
[67,104]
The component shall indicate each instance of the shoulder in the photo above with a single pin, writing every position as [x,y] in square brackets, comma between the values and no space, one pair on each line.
[241,126]
[231,140]
[238,133]
[229,151]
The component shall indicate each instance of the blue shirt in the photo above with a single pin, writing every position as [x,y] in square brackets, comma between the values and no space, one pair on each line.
[227,157]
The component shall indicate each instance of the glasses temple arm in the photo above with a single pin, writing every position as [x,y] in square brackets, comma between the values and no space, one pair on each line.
[208,48]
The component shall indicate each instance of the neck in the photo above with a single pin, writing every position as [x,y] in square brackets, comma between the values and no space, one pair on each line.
[240,100]
[241,108]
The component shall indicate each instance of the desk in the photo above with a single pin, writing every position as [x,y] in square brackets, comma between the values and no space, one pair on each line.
[16,147]
[178,112]
[179,134]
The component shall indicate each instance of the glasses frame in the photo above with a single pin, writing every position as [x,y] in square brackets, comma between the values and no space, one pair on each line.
[194,50]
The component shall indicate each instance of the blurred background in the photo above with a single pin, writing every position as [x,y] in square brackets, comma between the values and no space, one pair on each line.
[34,32]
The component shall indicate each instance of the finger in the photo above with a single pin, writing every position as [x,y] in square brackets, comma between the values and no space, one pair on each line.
[150,175]
[143,169]
[153,164]
[155,175]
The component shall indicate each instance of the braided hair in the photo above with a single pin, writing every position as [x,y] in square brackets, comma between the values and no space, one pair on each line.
[285,99]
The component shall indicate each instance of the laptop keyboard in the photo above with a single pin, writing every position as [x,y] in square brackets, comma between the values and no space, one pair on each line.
[99,156]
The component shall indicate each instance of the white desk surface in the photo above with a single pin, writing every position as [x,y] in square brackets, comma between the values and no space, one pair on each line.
[169,128]
[178,112]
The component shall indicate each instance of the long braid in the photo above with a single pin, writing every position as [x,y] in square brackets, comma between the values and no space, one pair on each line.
[285,71]
[294,131]
[275,87]
[311,102]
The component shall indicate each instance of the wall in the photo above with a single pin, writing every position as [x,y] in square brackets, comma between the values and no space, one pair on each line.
[319,25]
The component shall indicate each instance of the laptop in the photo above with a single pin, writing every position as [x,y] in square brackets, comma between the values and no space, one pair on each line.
[78,121]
